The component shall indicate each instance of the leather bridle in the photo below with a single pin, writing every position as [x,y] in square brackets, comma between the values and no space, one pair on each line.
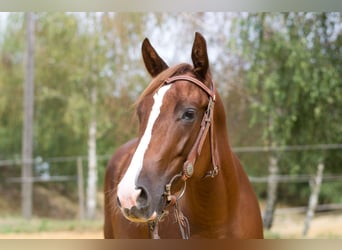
[207,124]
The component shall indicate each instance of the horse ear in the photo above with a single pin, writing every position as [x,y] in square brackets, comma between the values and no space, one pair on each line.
[199,56]
[153,62]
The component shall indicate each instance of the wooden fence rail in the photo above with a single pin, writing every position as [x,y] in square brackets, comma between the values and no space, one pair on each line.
[41,179]
[314,181]
[272,180]
[79,178]
[293,178]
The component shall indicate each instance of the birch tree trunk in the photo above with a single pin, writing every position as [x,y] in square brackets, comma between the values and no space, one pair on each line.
[80,188]
[27,140]
[92,161]
[315,188]
[271,193]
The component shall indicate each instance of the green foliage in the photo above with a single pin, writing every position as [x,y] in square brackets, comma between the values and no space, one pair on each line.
[75,53]
[11,90]
[294,78]
[279,75]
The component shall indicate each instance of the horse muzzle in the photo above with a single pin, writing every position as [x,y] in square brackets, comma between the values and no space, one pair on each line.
[137,208]
[139,215]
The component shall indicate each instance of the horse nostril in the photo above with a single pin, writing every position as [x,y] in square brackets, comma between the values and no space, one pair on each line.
[142,199]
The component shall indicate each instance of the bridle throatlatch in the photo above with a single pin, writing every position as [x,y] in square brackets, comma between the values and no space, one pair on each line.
[207,124]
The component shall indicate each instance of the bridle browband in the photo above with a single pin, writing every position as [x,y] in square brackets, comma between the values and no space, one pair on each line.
[207,124]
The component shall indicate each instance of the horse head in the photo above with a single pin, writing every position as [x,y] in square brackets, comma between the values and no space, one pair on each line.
[171,111]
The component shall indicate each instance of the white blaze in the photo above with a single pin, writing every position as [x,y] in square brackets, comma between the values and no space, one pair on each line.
[127,191]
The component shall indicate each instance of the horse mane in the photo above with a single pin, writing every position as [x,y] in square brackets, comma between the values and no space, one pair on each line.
[178,69]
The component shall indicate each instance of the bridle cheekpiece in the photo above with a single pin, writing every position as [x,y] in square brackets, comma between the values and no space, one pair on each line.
[206,125]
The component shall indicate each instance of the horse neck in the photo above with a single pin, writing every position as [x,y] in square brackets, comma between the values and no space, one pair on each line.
[208,194]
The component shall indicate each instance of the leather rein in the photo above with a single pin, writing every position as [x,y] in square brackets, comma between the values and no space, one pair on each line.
[207,125]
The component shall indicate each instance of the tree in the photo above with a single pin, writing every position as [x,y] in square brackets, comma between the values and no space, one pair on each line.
[27,148]
[94,74]
[11,85]
[88,70]
[293,76]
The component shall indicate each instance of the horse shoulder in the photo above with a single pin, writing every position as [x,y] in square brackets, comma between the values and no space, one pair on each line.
[248,205]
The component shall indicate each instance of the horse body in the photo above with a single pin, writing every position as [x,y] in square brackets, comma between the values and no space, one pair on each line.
[217,206]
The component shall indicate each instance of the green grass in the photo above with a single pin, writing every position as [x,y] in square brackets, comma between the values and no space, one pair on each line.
[18,225]
[271,235]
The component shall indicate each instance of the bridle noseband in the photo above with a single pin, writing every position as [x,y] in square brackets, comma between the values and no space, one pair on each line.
[207,124]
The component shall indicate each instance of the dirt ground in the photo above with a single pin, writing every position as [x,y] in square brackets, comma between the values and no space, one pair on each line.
[54,235]
[285,226]
[323,226]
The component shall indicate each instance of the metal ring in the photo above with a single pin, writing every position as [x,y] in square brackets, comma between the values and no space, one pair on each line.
[183,191]
[168,187]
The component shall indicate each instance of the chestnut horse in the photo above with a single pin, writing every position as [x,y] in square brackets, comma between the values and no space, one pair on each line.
[179,178]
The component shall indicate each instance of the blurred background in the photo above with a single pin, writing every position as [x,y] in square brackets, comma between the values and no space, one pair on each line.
[68,82]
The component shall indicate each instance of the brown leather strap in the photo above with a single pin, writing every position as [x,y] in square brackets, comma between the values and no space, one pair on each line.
[206,124]
[210,92]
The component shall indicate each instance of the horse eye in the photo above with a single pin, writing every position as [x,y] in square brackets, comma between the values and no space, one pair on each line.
[189,115]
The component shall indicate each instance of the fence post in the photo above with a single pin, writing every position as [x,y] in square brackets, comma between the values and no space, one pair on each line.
[313,201]
[271,192]
[80,188]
